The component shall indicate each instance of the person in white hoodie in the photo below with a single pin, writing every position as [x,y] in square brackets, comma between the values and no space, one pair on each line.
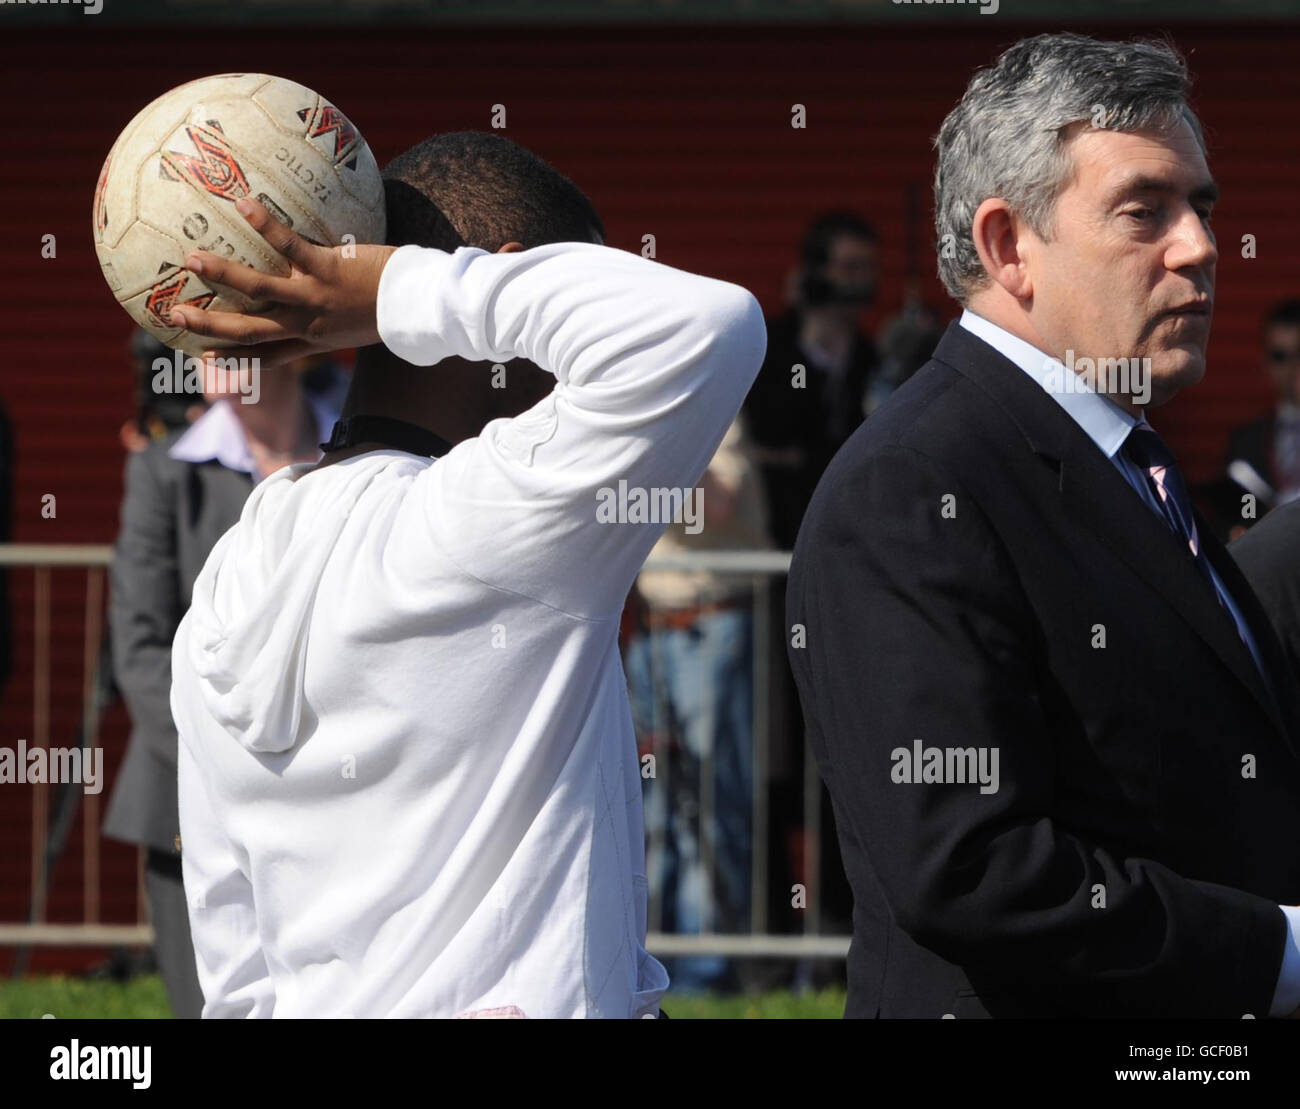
[408,775]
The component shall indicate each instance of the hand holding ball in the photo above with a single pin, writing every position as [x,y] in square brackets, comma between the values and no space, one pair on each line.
[170,183]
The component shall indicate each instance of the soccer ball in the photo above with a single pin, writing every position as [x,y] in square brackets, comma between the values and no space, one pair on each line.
[170,182]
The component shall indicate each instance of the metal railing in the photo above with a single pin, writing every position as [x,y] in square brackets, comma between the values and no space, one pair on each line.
[759,567]
[37,931]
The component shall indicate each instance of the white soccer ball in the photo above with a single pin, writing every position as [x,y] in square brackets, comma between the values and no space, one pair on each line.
[170,182]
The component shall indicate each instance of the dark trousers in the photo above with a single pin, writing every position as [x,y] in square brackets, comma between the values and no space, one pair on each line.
[173,949]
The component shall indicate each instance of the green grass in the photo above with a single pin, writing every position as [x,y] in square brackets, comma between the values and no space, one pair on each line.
[79,997]
[144,997]
[823,1005]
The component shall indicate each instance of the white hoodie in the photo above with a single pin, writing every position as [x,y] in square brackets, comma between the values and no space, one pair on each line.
[408,777]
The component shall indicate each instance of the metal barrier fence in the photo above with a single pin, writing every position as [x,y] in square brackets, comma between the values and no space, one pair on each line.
[91,931]
[759,567]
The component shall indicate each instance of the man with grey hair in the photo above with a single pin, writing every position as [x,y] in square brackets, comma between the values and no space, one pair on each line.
[1002,570]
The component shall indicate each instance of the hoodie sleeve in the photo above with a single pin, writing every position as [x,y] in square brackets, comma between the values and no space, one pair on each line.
[223,924]
[564,502]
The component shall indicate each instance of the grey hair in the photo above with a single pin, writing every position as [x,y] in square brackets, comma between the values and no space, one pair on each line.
[1008,136]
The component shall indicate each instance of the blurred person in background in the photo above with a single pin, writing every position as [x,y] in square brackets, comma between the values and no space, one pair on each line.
[821,375]
[186,483]
[690,671]
[800,418]
[157,414]
[326,380]
[1263,456]
[906,343]
[1269,556]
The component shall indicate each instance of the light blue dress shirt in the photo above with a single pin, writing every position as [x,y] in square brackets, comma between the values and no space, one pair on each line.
[1108,425]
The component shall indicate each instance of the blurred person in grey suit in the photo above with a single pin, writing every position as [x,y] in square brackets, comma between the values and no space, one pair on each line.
[183,491]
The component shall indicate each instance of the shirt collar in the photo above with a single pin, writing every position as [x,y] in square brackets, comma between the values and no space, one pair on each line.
[1104,422]
[218,436]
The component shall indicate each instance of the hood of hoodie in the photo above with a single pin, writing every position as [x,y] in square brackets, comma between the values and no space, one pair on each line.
[250,616]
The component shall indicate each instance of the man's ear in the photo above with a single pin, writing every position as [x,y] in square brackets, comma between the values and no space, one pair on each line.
[509,248]
[1000,239]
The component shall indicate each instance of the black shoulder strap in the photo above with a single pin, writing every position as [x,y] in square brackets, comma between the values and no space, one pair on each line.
[399,434]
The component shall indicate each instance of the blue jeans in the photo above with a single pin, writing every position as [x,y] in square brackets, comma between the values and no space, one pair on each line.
[692,694]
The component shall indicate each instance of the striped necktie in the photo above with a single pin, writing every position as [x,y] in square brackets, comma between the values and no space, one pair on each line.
[1156,460]
[1149,452]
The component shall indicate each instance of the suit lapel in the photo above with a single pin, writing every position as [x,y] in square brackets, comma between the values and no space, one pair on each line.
[1096,494]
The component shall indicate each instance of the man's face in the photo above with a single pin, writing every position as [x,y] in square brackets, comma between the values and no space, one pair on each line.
[1129,270]
[1282,359]
[852,263]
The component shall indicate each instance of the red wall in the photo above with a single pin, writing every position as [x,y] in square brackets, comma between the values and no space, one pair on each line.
[681,133]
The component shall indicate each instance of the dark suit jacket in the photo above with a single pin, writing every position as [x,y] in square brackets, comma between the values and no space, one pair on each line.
[173,513]
[1125,866]
[1269,556]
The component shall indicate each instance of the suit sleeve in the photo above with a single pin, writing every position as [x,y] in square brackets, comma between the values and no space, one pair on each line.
[916,628]
[223,923]
[145,606]
[651,365]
